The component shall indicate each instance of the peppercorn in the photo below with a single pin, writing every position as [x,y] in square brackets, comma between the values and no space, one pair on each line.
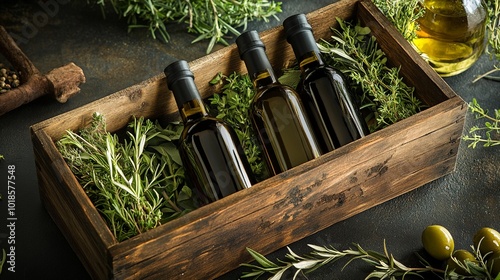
[9,79]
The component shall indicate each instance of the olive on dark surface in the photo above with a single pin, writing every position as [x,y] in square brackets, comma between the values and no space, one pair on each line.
[438,242]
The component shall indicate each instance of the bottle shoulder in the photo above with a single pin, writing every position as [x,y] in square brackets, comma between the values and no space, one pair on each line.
[273,91]
[323,72]
[206,124]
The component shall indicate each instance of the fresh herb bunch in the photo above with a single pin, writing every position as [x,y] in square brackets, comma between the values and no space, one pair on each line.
[355,52]
[136,183]
[232,104]
[488,134]
[384,265]
[211,19]
[403,14]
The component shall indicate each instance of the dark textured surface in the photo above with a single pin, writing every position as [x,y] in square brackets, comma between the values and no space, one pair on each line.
[113,59]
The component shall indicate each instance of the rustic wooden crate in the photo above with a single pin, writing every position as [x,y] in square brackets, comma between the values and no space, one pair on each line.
[275,212]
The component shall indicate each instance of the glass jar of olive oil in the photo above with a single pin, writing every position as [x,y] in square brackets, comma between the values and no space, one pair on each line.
[451,34]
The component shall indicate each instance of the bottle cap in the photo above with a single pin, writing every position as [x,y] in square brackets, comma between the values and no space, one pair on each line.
[180,81]
[299,34]
[295,24]
[253,51]
[248,41]
[177,70]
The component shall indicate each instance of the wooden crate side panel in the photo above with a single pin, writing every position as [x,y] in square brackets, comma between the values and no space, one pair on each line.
[284,227]
[147,99]
[71,209]
[329,191]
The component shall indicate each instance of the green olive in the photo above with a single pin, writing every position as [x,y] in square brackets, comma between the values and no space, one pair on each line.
[494,264]
[460,256]
[438,242]
[490,240]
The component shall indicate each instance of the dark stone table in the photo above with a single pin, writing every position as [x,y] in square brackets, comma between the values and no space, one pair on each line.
[113,59]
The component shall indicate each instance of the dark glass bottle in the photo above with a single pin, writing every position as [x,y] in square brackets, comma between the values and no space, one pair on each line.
[333,112]
[214,161]
[277,113]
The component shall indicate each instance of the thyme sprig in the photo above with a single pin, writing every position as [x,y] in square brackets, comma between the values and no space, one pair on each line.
[487,134]
[383,265]
[135,184]
[355,52]
[210,19]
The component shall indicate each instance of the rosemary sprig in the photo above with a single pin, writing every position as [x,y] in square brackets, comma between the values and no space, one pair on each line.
[355,52]
[383,265]
[211,19]
[489,133]
[134,184]
[232,104]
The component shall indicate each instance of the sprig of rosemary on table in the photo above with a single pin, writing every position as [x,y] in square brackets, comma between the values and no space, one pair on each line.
[355,52]
[136,183]
[210,19]
[489,133]
[383,265]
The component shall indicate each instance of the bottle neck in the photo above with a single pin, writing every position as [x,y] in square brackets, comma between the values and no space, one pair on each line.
[263,79]
[259,68]
[310,61]
[192,110]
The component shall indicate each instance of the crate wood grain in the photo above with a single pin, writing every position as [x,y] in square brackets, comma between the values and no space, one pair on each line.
[277,211]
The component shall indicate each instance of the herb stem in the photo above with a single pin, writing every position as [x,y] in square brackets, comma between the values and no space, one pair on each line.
[485,75]
[170,202]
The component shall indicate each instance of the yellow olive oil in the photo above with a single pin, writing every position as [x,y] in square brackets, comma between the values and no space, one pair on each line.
[451,34]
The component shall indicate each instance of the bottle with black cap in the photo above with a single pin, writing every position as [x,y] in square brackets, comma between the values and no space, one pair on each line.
[212,156]
[333,112]
[277,113]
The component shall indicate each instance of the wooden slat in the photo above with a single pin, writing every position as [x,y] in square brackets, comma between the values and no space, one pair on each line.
[147,99]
